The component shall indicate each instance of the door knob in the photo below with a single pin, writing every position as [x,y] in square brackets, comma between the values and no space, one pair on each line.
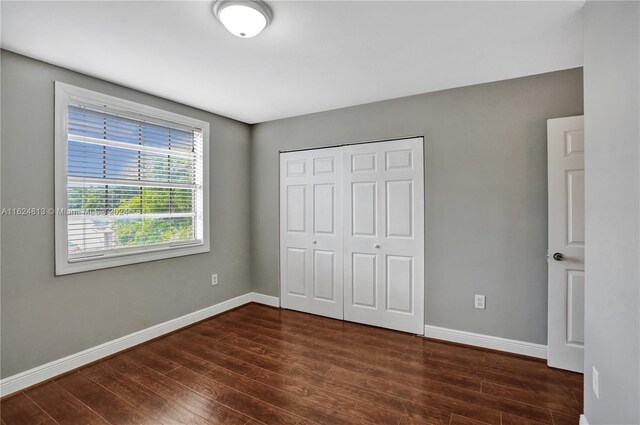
[558,256]
[314,242]
[377,245]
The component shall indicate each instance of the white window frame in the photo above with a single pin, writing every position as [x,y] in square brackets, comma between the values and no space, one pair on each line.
[66,94]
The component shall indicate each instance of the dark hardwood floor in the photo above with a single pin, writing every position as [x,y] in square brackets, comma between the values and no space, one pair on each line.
[258,365]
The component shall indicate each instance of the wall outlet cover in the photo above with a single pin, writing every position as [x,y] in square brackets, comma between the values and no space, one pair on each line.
[479,302]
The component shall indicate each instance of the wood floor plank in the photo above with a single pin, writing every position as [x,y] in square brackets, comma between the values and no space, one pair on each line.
[566,403]
[99,421]
[169,351]
[315,355]
[147,402]
[153,361]
[565,419]
[358,397]
[102,401]
[519,363]
[310,406]
[213,330]
[409,392]
[461,420]
[266,358]
[185,342]
[512,380]
[211,349]
[62,406]
[21,410]
[471,397]
[337,401]
[238,400]
[211,410]
[548,377]
[258,365]
[509,419]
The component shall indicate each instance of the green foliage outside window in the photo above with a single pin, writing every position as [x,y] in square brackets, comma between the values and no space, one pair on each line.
[119,200]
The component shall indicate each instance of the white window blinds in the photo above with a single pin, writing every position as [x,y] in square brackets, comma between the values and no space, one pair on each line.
[133,183]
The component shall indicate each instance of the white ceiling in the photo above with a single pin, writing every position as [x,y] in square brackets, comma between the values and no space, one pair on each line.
[315,55]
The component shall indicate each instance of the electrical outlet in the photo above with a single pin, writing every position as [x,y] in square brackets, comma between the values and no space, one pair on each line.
[595,381]
[214,279]
[479,302]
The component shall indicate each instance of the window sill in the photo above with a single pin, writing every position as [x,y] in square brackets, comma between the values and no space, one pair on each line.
[64,266]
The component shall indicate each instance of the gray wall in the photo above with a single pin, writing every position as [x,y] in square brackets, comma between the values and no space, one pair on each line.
[45,317]
[486,193]
[612,148]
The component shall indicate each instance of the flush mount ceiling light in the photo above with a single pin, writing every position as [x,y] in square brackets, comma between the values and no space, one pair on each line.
[243,18]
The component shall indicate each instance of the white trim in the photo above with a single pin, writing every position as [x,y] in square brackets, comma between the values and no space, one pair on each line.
[100,101]
[49,370]
[265,299]
[102,260]
[486,341]
[583,420]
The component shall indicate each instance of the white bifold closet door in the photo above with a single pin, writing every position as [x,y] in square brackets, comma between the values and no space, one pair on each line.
[352,233]
[384,235]
[311,234]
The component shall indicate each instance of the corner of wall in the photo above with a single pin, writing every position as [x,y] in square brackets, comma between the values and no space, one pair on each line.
[250,170]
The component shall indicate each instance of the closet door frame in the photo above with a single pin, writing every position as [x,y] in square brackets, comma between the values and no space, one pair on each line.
[422,199]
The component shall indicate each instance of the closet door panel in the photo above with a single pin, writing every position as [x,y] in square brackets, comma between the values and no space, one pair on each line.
[384,234]
[311,234]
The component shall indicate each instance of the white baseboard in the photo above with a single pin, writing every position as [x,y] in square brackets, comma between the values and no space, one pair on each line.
[265,299]
[487,341]
[583,420]
[38,374]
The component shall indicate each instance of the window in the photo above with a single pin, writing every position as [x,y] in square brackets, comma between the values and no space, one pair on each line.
[131,182]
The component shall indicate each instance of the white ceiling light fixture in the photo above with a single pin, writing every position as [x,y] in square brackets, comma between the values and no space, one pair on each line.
[243,18]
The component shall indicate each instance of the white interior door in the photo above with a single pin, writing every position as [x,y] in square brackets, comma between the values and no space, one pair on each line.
[565,138]
[311,235]
[384,234]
